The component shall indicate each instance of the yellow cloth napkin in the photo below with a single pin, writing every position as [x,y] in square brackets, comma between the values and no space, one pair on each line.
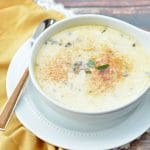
[18,19]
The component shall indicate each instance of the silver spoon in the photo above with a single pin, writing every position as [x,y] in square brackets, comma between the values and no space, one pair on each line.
[12,101]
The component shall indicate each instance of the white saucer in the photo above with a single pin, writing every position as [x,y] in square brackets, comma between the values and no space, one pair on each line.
[54,129]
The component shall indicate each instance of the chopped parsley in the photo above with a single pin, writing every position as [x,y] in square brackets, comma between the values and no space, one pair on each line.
[102,67]
[104,31]
[133,45]
[91,64]
[88,71]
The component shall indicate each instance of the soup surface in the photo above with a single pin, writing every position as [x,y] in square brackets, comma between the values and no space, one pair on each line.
[92,68]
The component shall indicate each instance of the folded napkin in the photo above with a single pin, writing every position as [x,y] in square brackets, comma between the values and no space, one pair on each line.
[18,19]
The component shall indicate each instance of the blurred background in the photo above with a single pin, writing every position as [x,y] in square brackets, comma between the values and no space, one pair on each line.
[136,12]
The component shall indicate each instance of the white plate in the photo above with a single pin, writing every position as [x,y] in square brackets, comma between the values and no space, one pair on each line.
[54,129]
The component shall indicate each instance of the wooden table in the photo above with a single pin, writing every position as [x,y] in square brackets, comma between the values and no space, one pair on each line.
[136,12]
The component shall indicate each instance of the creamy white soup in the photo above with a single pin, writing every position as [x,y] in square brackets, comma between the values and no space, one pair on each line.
[92,68]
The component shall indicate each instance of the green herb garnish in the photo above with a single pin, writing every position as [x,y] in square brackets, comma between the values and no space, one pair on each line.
[102,67]
[104,31]
[88,71]
[133,45]
[91,64]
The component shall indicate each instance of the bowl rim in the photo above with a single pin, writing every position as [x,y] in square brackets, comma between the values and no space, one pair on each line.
[65,107]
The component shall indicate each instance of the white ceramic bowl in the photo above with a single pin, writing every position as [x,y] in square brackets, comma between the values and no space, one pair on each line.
[96,120]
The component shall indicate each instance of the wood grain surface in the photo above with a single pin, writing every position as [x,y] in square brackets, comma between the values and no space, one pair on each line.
[136,12]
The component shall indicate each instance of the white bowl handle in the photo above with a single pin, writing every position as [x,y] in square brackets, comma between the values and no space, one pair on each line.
[144,37]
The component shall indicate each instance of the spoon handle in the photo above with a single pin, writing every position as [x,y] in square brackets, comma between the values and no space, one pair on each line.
[12,101]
